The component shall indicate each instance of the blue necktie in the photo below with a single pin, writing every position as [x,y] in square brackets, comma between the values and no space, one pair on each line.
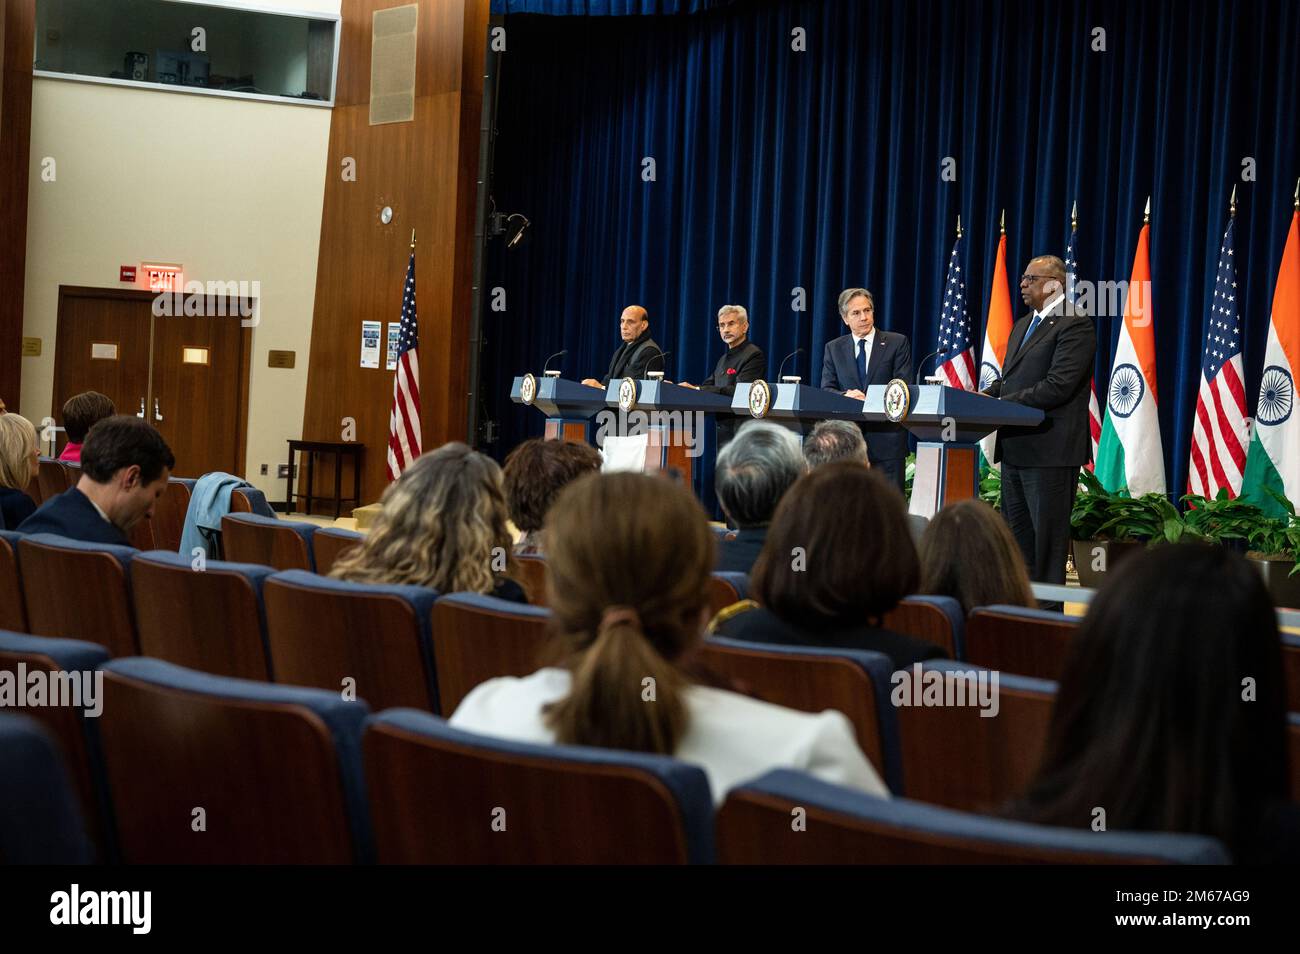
[1033,326]
[862,363]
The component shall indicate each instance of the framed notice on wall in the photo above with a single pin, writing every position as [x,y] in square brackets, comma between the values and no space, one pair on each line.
[370,332]
[394,336]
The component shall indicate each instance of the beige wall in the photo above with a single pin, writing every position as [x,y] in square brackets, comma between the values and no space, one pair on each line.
[231,189]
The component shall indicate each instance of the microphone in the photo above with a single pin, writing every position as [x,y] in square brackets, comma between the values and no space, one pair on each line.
[547,365]
[921,366]
[785,359]
[661,355]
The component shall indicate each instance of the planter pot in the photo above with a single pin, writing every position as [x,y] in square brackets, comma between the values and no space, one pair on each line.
[1284,589]
[1094,558]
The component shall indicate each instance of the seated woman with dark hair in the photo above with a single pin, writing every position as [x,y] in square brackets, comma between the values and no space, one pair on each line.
[81,412]
[1171,712]
[968,553]
[20,457]
[442,525]
[629,592]
[534,474]
[838,557]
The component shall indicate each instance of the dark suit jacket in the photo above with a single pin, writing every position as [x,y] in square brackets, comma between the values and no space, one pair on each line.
[1053,373]
[15,507]
[749,364]
[760,625]
[631,359]
[72,515]
[891,357]
[746,360]
[738,555]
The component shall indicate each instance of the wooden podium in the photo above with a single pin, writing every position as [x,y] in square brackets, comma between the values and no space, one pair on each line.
[948,424]
[568,405]
[673,419]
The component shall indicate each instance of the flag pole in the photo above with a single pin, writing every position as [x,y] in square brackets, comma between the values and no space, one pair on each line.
[959,225]
[1002,223]
[412,240]
[1074,216]
[1232,203]
[1297,193]
[1146,216]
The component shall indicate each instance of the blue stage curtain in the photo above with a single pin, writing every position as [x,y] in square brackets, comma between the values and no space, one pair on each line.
[778,170]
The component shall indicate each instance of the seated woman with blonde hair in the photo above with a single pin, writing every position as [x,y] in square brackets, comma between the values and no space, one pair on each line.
[20,457]
[968,552]
[442,525]
[629,592]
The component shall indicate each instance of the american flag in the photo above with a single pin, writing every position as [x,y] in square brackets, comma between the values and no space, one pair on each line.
[404,419]
[1218,457]
[1094,410]
[955,330]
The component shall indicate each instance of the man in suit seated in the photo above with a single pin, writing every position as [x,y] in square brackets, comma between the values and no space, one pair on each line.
[125,465]
[743,363]
[870,355]
[632,359]
[753,473]
[1050,354]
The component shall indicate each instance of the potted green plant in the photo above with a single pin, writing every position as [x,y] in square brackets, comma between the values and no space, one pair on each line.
[1274,546]
[1229,522]
[1108,526]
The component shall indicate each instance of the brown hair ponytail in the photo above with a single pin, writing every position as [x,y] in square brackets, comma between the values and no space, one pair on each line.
[629,562]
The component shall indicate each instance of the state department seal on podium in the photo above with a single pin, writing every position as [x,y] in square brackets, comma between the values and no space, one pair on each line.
[528,389]
[760,398]
[898,399]
[627,395]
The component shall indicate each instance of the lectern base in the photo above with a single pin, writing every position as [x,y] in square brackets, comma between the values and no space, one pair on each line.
[945,473]
[567,429]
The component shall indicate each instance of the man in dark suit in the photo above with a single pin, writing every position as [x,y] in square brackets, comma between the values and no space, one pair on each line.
[125,465]
[1049,362]
[634,356]
[744,362]
[870,355]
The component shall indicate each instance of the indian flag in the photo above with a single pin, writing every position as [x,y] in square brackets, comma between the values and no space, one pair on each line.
[1130,456]
[997,329]
[1273,460]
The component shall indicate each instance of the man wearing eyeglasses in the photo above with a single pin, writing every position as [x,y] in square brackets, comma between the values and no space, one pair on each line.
[1048,365]
[743,362]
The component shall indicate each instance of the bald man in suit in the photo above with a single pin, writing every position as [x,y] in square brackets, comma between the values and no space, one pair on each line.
[632,359]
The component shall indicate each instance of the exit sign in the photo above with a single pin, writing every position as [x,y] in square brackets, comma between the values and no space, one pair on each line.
[126,274]
[162,278]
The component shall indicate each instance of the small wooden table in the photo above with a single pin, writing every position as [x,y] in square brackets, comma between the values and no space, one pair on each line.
[338,449]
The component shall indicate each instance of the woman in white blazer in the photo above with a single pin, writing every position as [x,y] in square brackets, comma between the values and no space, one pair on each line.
[629,559]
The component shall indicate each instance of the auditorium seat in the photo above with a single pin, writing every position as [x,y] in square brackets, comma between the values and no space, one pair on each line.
[65,723]
[322,632]
[533,570]
[210,620]
[78,590]
[330,543]
[725,588]
[13,615]
[282,544]
[956,757]
[169,514]
[40,823]
[208,770]
[442,796]
[842,826]
[53,477]
[477,638]
[854,682]
[934,619]
[1291,670]
[1027,642]
[248,500]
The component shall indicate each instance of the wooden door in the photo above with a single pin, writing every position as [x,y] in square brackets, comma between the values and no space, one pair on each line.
[199,401]
[102,344]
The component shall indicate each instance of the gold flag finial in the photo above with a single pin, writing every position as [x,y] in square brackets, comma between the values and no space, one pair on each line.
[1002,223]
[959,225]
[1232,202]
[1297,193]
[412,238]
[1146,216]
[1074,216]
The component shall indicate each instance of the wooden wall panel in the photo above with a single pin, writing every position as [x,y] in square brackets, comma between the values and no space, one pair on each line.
[426,170]
[17,25]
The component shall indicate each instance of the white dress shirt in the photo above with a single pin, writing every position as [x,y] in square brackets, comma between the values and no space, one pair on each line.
[732,737]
